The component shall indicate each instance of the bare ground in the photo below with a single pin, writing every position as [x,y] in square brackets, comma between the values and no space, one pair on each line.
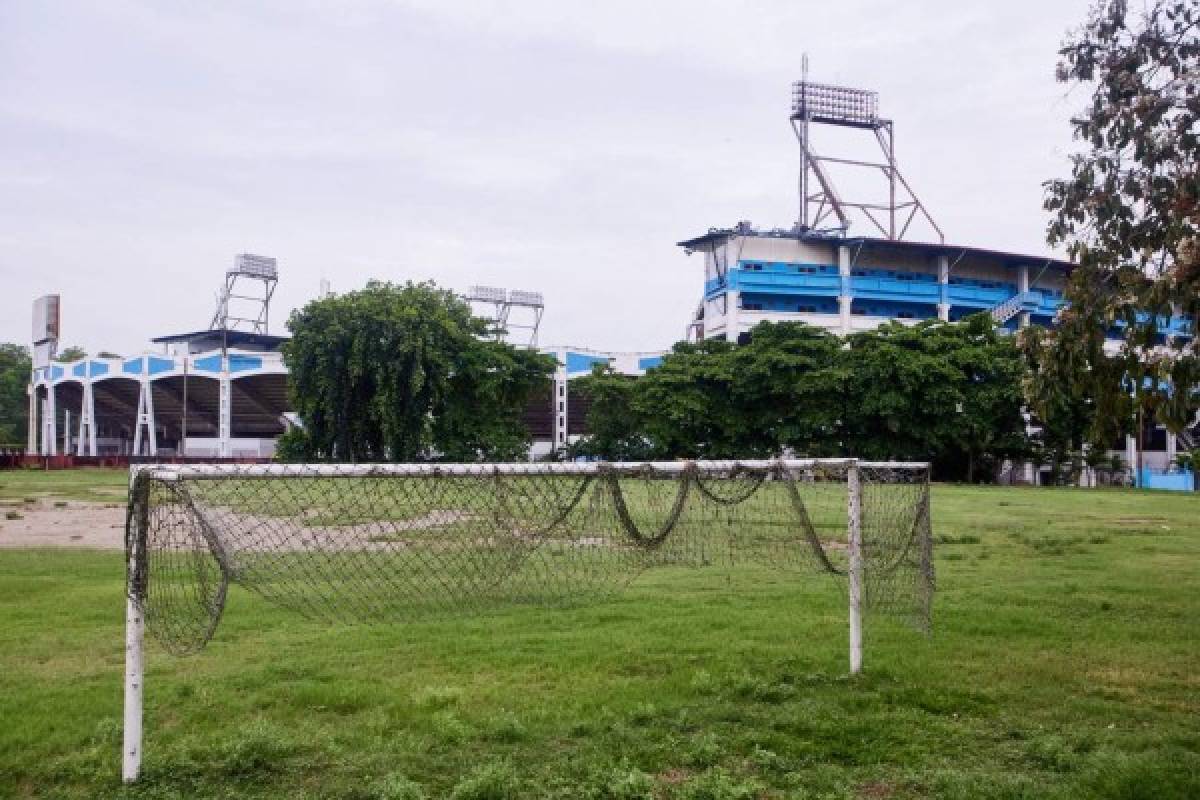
[59,524]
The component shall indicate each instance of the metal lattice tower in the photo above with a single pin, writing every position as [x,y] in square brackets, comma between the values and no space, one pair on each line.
[852,109]
[498,305]
[246,307]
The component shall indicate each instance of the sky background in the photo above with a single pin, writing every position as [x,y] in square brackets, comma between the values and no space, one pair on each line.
[545,145]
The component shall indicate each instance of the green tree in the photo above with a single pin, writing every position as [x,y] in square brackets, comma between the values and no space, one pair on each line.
[790,382]
[616,430]
[404,373]
[712,399]
[1130,211]
[15,366]
[72,353]
[949,393]
[687,408]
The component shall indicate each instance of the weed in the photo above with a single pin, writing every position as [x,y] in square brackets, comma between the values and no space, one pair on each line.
[494,781]
[397,787]
[431,698]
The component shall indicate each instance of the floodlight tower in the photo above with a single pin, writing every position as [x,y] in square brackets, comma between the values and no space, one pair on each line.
[498,306]
[252,311]
[853,109]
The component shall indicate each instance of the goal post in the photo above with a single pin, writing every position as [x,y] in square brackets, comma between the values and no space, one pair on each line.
[397,542]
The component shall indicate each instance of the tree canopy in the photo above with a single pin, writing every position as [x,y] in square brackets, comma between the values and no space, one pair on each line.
[15,366]
[1129,213]
[946,392]
[405,373]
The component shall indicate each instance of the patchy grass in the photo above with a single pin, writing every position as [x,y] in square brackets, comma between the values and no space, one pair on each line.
[1063,664]
[93,484]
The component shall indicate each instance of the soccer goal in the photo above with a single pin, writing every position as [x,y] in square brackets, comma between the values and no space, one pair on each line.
[396,542]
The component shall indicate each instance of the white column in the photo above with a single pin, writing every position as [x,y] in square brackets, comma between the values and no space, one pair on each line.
[854,567]
[31,437]
[1131,458]
[561,399]
[1172,447]
[131,749]
[86,446]
[145,421]
[49,423]
[225,413]
[733,299]
[943,263]
[1022,288]
[845,298]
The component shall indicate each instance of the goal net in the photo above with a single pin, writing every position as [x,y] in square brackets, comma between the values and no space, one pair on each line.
[396,542]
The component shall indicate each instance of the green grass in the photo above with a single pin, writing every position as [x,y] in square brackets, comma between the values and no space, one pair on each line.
[97,485]
[1065,662]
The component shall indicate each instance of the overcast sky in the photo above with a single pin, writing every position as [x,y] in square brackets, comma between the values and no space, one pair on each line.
[547,145]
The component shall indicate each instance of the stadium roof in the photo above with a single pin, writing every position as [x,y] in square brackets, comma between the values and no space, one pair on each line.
[214,339]
[922,248]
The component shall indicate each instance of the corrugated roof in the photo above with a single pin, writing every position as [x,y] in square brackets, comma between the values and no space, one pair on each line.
[926,248]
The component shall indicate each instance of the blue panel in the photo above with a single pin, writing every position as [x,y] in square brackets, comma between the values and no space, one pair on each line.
[80,369]
[1183,481]
[56,372]
[650,362]
[208,364]
[97,368]
[579,362]
[158,365]
[803,303]
[132,367]
[895,289]
[242,363]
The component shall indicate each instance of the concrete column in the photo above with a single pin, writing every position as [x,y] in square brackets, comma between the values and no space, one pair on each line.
[1022,288]
[733,299]
[1172,447]
[560,408]
[49,423]
[225,412]
[145,421]
[31,437]
[845,293]
[1131,458]
[66,434]
[943,263]
[86,446]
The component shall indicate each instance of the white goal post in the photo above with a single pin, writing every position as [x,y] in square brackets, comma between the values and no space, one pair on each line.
[449,537]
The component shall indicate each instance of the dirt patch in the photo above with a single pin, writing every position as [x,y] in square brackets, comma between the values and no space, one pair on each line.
[76,524]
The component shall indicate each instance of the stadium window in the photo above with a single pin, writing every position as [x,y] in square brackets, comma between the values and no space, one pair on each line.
[905,315]
[752,306]
[807,309]
[755,267]
[859,312]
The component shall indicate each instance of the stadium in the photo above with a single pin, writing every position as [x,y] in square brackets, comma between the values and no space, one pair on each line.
[221,392]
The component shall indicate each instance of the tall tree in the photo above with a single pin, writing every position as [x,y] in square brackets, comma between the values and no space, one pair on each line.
[1130,211]
[404,373]
[15,366]
[949,393]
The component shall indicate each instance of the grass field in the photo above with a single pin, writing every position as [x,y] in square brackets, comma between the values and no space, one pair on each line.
[1065,662]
